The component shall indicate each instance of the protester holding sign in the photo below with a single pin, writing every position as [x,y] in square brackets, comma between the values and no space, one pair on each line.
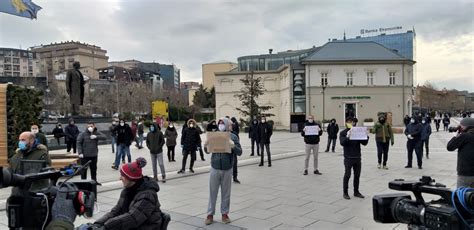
[352,156]
[311,133]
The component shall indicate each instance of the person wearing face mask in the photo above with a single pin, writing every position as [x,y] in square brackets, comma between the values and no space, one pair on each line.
[71,131]
[264,133]
[352,158]
[311,141]
[406,120]
[113,135]
[88,149]
[39,136]
[28,149]
[413,133]
[190,142]
[332,130]
[221,174]
[446,122]
[138,206]
[212,126]
[58,133]
[154,142]
[124,140]
[253,135]
[383,136]
[140,132]
[425,137]
[171,135]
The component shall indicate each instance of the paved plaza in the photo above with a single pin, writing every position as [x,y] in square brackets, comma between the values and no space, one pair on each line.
[280,197]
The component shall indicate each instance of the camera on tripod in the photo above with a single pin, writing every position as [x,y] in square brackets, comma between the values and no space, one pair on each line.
[31,208]
[454,210]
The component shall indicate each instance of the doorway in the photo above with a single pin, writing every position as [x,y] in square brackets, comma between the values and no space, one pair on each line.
[350,110]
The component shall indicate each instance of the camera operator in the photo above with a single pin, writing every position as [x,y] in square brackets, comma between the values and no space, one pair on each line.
[464,143]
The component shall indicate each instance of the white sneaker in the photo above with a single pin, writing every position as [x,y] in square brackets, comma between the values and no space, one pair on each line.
[379,166]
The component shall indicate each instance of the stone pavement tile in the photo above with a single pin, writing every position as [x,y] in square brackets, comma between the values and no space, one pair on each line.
[235,206]
[254,223]
[358,212]
[257,213]
[171,204]
[175,216]
[220,226]
[180,226]
[369,224]
[194,221]
[291,201]
[286,227]
[292,220]
[330,226]
[324,215]
[191,210]
[324,199]
[293,210]
[322,206]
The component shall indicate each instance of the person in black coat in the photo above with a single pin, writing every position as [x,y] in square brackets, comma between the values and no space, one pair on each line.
[58,133]
[71,131]
[406,120]
[352,157]
[235,130]
[464,143]
[413,133]
[235,126]
[264,134]
[124,140]
[446,122]
[190,142]
[253,135]
[212,126]
[332,130]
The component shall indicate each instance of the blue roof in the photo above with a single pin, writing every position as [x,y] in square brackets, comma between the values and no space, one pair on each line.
[354,51]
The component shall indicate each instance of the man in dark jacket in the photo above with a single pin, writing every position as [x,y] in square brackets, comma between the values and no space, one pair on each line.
[138,206]
[235,130]
[425,136]
[39,135]
[264,134]
[446,122]
[464,143]
[58,133]
[140,132]
[154,142]
[253,135]
[413,133]
[75,87]
[71,131]
[383,137]
[190,141]
[235,126]
[311,133]
[124,140]
[352,157]
[88,148]
[212,126]
[332,130]
[220,174]
[406,120]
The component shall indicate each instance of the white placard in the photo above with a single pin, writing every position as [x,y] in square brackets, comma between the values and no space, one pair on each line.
[358,133]
[311,130]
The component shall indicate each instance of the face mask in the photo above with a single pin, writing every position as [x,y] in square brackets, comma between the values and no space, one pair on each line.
[90,129]
[263,121]
[222,127]
[34,131]
[171,126]
[349,125]
[191,125]
[310,120]
[114,123]
[333,122]
[152,129]
[59,126]
[255,122]
[72,123]
[122,124]
[412,121]
[423,122]
[22,145]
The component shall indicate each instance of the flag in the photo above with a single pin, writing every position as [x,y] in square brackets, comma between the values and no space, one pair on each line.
[22,8]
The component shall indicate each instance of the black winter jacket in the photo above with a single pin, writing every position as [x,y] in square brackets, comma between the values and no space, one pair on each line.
[155,141]
[414,129]
[253,130]
[464,143]
[351,147]
[264,133]
[332,130]
[190,139]
[124,134]
[312,139]
[137,208]
[71,132]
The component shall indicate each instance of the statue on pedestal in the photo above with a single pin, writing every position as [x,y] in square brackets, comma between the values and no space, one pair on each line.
[75,87]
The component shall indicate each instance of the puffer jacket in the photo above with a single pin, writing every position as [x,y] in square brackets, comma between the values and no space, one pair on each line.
[155,141]
[171,135]
[191,139]
[225,161]
[137,208]
[87,146]
[311,139]
[253,130]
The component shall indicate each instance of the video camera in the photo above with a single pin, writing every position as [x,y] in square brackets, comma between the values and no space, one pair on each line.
[455,210]
[31,208]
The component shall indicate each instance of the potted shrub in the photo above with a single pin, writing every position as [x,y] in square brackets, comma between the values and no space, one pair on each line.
[368,122]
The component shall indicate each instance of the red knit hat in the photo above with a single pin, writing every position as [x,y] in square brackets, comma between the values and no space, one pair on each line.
[133,171]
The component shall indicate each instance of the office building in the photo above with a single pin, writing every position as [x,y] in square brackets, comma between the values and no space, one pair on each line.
[272,61]
[18,63]
[209,70]
[171,76]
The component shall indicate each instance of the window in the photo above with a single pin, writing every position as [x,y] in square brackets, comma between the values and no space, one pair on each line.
[350,79]
[391,78]
[370,78]
[324,79]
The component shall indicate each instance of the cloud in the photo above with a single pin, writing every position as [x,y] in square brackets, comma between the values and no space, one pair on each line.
[189,33]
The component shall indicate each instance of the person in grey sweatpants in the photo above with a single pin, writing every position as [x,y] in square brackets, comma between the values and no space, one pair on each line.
[154,142]
[311,133]
[221,174]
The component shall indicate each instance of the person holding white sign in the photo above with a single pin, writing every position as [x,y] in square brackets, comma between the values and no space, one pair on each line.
[311,133]
[352,156]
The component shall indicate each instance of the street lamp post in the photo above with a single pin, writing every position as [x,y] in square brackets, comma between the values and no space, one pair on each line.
[47,98]
[324,99]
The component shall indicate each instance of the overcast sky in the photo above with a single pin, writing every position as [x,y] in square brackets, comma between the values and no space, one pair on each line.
[189,33]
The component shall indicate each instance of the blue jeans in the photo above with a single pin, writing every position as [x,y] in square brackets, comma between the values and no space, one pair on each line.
[122,149]
[114,143]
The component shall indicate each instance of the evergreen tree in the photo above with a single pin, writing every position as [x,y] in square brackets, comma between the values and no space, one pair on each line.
[201,98]
[253,88]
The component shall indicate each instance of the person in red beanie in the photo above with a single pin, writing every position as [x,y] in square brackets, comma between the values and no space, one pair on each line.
[138,206]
